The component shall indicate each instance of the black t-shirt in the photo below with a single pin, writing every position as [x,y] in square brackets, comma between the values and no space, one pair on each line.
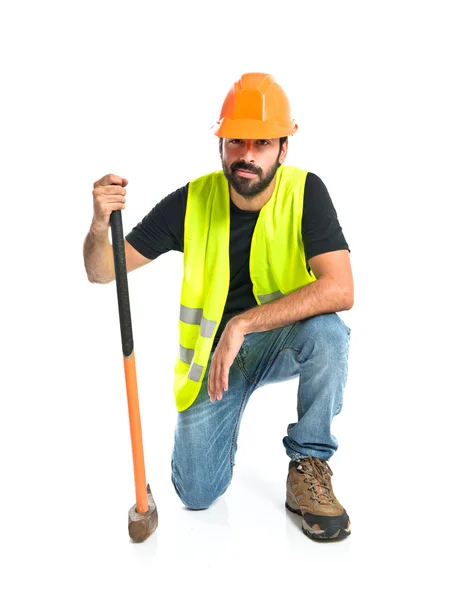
[162,229]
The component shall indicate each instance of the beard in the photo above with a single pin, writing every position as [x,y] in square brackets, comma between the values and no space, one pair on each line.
[249,188]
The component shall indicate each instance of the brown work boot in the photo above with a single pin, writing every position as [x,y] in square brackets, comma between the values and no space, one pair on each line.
[309,493]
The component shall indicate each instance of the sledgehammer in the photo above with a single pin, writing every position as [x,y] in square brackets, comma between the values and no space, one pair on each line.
[142,517]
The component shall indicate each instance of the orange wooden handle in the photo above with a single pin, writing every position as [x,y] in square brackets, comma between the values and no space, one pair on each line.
[136,434]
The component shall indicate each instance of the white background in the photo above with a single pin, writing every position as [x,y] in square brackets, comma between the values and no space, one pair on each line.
[87,89]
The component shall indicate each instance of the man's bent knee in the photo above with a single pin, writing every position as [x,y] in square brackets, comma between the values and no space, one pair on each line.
[328,328]
[324,335]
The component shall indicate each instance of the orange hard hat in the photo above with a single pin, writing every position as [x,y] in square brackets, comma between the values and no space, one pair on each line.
[255,108]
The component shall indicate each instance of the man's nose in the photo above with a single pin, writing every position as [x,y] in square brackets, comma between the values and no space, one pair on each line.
[248,151]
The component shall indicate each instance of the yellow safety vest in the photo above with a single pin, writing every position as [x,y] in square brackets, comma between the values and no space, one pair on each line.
[277,265]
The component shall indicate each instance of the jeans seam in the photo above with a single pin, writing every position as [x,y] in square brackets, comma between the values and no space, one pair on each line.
[236,429]
[300,406]
[272,360]
[243,370]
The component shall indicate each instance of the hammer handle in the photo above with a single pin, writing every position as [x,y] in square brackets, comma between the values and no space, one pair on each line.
[121,277]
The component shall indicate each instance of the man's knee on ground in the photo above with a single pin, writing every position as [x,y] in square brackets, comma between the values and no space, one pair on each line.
[196,497]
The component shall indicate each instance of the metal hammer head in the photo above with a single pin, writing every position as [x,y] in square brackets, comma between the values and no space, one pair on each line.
[141,525]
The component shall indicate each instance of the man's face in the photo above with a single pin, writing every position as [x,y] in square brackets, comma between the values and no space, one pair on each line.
[250,165]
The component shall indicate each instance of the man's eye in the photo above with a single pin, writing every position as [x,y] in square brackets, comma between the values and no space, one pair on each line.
[235,141]
[263,142]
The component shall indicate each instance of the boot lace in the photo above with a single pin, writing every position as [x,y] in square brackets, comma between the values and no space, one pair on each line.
[317,473]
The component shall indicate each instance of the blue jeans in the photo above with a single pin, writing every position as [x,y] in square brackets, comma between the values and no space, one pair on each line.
[316,350]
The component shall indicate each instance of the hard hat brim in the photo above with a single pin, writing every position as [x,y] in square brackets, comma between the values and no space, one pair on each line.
[252,129]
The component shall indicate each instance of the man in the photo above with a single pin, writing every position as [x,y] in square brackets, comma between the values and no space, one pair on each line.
[266,269]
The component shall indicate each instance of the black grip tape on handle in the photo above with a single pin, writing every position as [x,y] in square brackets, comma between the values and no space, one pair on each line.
[121,277]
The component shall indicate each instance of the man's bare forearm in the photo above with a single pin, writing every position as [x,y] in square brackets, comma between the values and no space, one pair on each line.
[320,296]
[98,256]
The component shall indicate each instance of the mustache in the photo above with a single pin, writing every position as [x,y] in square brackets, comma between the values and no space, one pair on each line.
[244,166]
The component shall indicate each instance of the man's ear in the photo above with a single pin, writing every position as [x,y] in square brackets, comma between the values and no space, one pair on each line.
[220,147]
[283,152]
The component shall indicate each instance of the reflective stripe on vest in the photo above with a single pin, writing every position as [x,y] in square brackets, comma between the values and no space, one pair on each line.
[187,355]
[194,316]
[264,298]
[195,372]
